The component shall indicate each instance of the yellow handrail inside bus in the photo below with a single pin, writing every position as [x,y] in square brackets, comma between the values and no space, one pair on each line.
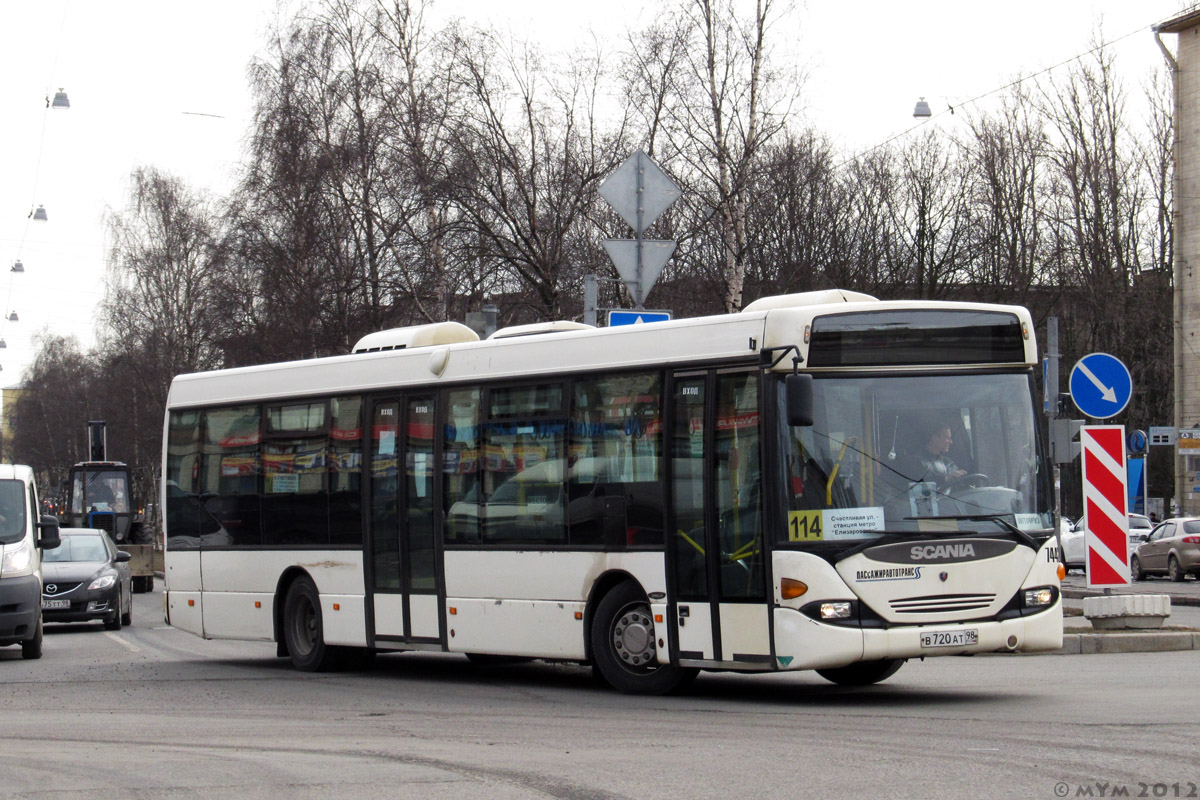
[833,473]
[740,553]
[692,542]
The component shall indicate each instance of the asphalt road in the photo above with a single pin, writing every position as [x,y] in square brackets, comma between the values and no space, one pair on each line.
[151,712]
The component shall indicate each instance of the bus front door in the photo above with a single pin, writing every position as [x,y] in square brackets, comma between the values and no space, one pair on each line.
[403,562]
[720,613]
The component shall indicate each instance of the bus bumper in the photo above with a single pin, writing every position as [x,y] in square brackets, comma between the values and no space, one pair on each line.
[804,643]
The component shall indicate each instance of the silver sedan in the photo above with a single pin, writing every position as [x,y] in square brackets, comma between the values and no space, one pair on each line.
[1171,549]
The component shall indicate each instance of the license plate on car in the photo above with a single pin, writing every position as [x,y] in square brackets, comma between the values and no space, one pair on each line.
[56,604]
[950,638]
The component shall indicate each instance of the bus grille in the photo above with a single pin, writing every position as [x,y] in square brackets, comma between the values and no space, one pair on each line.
[942,603]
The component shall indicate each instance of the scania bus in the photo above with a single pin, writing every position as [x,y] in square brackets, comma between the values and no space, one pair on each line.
[823,481]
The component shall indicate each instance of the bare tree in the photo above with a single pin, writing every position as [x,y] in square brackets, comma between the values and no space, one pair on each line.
[1008,152]
[158,307]
[441,276]
[728,101]
[58,396]
[528,160]
[930,217]
[1096,198]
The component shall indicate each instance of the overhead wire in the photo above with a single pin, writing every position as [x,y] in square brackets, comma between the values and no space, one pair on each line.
[951,108]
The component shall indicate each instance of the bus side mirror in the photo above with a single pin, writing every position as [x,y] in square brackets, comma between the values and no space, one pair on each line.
[48,538]
[799,390]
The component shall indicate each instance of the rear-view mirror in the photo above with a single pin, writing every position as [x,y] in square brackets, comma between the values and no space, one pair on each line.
[799,389]
[48,538]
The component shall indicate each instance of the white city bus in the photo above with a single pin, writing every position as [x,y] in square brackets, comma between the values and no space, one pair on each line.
[746,492]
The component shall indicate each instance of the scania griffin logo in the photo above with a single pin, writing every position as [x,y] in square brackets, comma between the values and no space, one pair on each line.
[940,552]
[51,588]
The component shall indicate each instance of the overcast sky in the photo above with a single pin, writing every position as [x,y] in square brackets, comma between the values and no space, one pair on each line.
[164,84]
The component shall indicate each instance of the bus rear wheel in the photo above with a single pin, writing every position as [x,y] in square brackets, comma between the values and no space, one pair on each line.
[864,673]
[302,631]
[625,645]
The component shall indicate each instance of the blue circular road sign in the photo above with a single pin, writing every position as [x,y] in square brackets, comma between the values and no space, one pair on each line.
[1100,385]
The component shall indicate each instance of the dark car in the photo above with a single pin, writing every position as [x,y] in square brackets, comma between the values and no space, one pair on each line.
[87,578]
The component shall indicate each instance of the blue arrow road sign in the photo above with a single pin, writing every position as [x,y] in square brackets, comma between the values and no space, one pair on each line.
[636,317]
[1100,385]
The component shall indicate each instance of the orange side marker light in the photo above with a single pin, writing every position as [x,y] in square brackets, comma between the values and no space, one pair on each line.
[790,588]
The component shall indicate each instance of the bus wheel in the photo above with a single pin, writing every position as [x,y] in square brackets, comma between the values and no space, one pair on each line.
[864,673]
[302,627]
[624,645]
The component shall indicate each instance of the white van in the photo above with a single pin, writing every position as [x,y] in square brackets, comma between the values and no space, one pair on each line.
[24,533]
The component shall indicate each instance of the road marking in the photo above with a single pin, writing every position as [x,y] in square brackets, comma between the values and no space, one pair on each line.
[121,641]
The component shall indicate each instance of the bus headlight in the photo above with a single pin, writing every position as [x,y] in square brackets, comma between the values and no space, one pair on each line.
[835,610]
[1043,596]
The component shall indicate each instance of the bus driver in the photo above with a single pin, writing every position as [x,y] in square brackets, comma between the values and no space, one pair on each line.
[933,462]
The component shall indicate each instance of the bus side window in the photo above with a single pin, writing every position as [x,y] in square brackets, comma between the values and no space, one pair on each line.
[461,455]
[614,484]
[524,443]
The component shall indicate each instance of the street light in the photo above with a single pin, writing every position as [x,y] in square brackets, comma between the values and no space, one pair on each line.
[39,215]
[922,110]
[13,317]
[18,266]
[60,100]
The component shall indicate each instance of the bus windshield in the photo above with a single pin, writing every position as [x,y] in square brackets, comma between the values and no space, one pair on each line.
[914,453]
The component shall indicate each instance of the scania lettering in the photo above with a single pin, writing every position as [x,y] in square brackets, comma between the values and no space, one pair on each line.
[746,492]
[929,551]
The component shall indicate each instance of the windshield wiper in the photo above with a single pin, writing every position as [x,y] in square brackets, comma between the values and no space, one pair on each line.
[999,519]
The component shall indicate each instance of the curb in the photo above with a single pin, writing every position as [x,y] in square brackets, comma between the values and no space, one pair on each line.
[1149,642]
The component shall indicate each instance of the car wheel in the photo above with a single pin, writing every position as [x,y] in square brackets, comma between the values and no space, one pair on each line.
[1135,569]
[1173,569]
[624,645]
[113,623]
[32,648]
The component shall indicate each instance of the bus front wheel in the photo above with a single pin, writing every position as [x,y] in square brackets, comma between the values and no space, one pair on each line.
[625,645]
[864,673]
[302,630]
